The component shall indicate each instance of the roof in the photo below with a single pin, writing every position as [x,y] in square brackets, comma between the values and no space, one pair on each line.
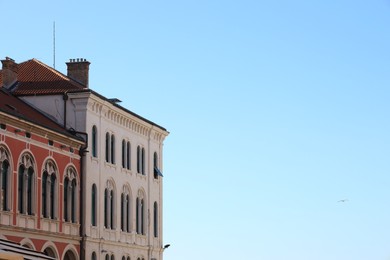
[35,77]
[17,107]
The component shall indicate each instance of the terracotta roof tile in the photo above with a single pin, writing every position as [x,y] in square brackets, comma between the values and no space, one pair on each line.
[35,78]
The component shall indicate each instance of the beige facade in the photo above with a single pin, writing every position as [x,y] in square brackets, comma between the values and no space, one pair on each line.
[122,188]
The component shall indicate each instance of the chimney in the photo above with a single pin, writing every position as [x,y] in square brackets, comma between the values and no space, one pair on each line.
[9,72]
[78,70]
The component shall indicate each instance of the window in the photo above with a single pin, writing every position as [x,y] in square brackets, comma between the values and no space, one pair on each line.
[156,170]
[110,148]
[94,141]
[49,190]
[109,206]
[70,196]
[123,153]
[155,219]
[26,185]
[141,160]
[93,256]
[126,154]
[4,180]
[125,210]
[49,252]
[140,214]
[94,205]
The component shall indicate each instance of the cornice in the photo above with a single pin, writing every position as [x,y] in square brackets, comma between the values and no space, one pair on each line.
[126,120]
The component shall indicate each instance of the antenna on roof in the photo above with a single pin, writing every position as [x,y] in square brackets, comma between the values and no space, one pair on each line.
[54,44]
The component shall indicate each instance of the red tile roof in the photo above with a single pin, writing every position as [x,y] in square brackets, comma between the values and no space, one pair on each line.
[36,78]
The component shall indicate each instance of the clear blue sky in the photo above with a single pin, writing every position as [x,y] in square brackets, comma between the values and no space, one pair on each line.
[277,110]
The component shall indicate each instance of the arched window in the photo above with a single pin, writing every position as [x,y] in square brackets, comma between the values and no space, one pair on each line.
[126,153]
[109,206]
[155,219]
[108,150]
[128,219]
[30,192]
[94,205]
[50,252]
[73,201]
[123,153]
[112,209]
[106,208]
[138,159]
[70,195]
[140,214]
[155,165]
[107,257]
[26,185]
[44,195]
[125,210]
[141,160]
[94,141]
[4,180]
[53,196]
[66,209]
[49,190]
[4,185]
[93,256]
[112,149]
[112,257]
[128,162]
[122,212]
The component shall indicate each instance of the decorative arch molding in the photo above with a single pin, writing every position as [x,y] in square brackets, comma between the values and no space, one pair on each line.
[50,245]
[71,189]
[126,189]
[110,204]
[27,183]
[5,153]
[71,173]
[5,178]
[26,242]
[141,193]
[110,184]
[70,249]
[50,187]
[50,165]
[27,159]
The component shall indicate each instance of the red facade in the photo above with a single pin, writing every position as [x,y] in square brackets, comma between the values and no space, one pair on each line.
[40,181]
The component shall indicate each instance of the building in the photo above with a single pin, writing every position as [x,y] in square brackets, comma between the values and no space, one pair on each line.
[121,180]
[39,179]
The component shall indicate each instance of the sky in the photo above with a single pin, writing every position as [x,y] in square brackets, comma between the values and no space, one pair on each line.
[277,110]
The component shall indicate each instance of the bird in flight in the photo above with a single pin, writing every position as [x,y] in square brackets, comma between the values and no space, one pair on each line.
[343,200]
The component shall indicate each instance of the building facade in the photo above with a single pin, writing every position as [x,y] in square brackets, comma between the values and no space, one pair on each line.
[39,181]
[121,184]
